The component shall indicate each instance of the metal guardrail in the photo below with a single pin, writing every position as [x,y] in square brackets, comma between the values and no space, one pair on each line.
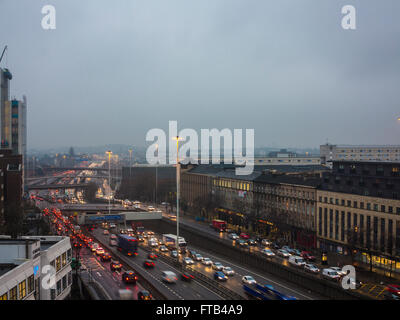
[200,277]
[143,281]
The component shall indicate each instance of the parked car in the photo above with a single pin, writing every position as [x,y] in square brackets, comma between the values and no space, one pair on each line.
[311,268]
[228,271]
[217,266]
[330,274]
[219,275]
[283,253]
[169,276]
[307,256]
[206,261]
[297,261]
[268,252]
[248,280]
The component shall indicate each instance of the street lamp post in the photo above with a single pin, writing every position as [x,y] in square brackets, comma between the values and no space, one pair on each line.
[109,181]
[156,176]
[177,138]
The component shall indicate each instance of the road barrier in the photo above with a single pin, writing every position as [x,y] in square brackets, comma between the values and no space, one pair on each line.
[219,246]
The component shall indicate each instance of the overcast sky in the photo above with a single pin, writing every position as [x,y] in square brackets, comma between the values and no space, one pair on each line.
[112,70]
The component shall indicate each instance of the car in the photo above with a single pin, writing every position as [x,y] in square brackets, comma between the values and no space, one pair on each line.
[140,238]
[152,256]
[106,232]
[248,280]
[244,236]
[129,277]
[217,266]
[283,253]
[267,252]
[163,248]
[307,256]
[192,253]
[228,271]
[297,261]
[393,289]
[311,268]
[187,261]
[174,254]
[105,257]
[99,251]
[115,265]
[275,246]
[339,271]
[148,263]
[242,243]
[144,295]
[288,249]
[94,246]
[330,274]
[151,233]
[145,234]
[251,242]
[296,252]
[169,276]
[219,275]
[266,242]
[233,236]
[198,257]
[153,243]
[186,276]
[206,261]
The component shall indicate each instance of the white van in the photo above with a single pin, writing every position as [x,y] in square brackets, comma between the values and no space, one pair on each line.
[297,261]
[330,274]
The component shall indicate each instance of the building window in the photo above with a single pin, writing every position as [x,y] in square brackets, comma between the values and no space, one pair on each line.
[64,282]
[362,205]
[331,223]
[368,206]
[355,204]
[22,289]
[69,255]
[13,294]
[59,288]
[375,238]
[368,234]
[52,294]
[336,225]
[64,259]
[320,221]
[69,278]
[375,207]
[58,263]
[361,229]
[383,235]
[4,296]
[342,227]
[390,209]
[31,284]
[349,203]
[383,209]
[325,222]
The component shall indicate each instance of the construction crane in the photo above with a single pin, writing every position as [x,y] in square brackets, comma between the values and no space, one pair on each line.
[1,58]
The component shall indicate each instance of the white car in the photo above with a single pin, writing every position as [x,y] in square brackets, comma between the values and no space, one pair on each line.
[311,268]
[339,271]
[163,248]
[233,236]
[283,253]
[228,271]
[268,252]
[248,280]
[330,274]
[206,261]
[198,257]
[153,243]
[217,266]
[188,261]
[99,251]
[297,261]
[169,276]
[265,242]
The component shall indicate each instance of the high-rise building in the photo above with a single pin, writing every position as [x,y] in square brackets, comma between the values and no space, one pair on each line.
[15,126]
[5,77]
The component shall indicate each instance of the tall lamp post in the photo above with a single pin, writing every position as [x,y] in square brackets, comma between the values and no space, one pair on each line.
[156,176]
[177,138]
[109,181]
[130,163]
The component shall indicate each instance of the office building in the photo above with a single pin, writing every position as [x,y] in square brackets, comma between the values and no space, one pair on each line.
[5,77]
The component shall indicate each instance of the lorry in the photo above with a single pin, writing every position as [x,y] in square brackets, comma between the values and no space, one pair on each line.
[170,241]
[219,225]
[127,245]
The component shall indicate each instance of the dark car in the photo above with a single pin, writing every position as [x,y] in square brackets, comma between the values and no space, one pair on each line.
[242,243]
[129,277]
[174,254]
[148,263]
[144,295]
[152,256]
[220,276]
[307,256]
[192,253]
[105,257]
[251,242]
[186,276]
[115,265]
